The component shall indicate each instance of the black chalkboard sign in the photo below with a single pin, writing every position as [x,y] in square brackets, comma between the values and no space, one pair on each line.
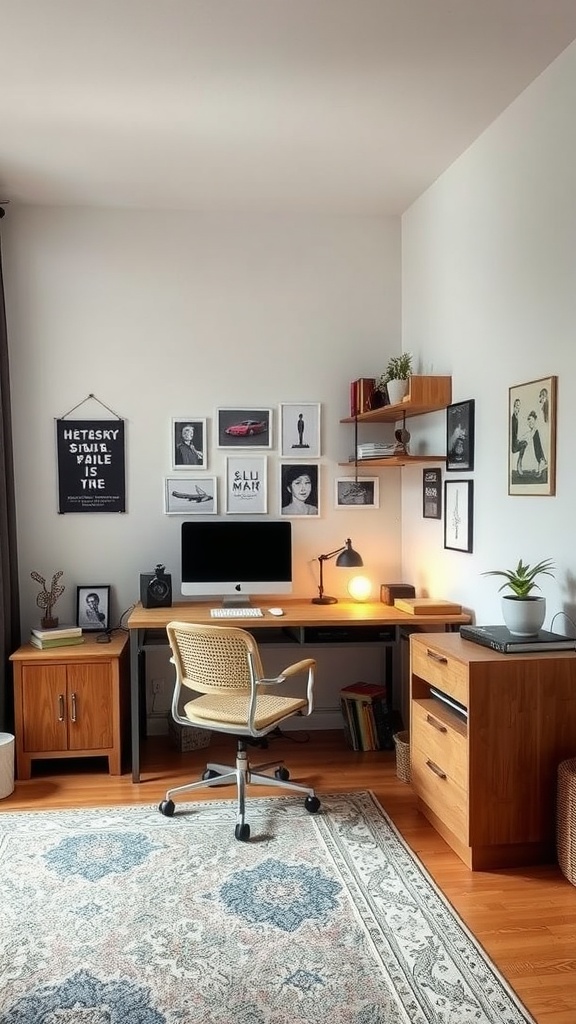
[91,471]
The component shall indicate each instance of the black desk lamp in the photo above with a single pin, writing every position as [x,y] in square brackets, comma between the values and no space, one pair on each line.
[347,559]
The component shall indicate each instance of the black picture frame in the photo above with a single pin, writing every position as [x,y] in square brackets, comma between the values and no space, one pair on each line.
[93,608]
[460,437]
[458,515]
[432,493]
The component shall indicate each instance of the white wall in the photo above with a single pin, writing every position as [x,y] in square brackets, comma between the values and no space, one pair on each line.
[489,295]
[171,314]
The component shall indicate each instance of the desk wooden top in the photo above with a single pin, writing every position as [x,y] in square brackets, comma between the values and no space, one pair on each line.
[297,612]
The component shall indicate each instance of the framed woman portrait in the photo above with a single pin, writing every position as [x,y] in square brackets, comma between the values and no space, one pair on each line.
[190,496]
[532,437]
[299,489]
[188,439]
[300,430]
[246,484]
[361,492]
[93,608]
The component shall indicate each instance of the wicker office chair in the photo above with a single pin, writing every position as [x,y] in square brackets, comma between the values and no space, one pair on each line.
[222,665]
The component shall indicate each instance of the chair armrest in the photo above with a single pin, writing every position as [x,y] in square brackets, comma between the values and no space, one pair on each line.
[306,665]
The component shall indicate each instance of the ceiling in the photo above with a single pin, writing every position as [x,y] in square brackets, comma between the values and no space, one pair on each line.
[350,106]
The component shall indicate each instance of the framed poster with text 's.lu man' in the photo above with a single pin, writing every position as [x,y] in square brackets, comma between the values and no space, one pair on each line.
[91,470]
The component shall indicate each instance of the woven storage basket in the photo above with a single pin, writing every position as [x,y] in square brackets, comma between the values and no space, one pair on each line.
[402,744]
[566,819]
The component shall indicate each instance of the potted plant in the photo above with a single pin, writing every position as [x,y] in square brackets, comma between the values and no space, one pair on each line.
[395,377]
[523,612]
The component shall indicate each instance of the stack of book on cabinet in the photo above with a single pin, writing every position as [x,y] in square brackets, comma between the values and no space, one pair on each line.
[59,636]
[369,724]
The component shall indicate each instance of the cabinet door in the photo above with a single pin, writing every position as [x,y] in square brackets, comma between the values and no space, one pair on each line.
[90,712]
[44,710]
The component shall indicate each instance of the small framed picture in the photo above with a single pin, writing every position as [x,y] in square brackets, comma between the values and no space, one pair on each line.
[432,493]
[458,514]
[460,437]
[299,489]
[246,484]
[361,492]
[190,496]
[300,430]
[188,440]
[532,437]
[244,428]
[93,608]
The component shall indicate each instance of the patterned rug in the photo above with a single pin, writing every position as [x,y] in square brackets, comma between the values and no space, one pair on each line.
[122,916]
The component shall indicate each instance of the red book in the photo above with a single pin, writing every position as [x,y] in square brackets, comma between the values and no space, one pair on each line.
[364,691]
[354,410]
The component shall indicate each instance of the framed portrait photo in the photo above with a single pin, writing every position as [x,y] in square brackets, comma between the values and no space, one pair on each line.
[93,608]
[432,493]
[458,514]
[356,492]
[244,428]
[460,437]
[300,430]
[532,437]
[246,484]
[188,443]
[299,489]
[190,496]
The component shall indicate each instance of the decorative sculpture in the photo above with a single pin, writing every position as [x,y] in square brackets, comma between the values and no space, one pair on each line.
[46,599]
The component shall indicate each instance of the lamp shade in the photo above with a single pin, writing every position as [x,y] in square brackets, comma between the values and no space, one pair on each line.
[349,558]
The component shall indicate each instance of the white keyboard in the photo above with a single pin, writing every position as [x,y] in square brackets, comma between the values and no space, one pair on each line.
[236,613]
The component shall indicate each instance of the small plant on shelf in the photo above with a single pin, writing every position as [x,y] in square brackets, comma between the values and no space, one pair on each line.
[399,368]
[522,579]
[46,599]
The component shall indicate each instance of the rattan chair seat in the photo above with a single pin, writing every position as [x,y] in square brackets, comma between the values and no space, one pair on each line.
[232,709]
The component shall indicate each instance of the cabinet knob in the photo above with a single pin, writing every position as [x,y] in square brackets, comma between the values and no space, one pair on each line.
[437,725]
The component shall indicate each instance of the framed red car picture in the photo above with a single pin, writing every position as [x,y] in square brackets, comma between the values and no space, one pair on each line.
[244,428]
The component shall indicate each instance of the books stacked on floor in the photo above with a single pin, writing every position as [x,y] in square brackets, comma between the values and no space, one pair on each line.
[59,636]
[369,724]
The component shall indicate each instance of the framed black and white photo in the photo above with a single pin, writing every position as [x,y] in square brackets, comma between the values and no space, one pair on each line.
[93,608]
[244,428]
[460,437]
[299,489]
[300,430]
[188,439]
[360,492]
[458,514]
[190,496]
[246,484]
[432,493]
[532,437]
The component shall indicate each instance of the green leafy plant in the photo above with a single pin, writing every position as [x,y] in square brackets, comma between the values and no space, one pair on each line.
[522,579]
[398,368]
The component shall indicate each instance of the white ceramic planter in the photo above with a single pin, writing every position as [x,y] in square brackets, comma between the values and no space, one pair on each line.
[524,616]
[397,389]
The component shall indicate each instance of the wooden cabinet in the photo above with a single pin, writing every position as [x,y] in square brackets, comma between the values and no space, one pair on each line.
[425,394]
[71,702]
[485,776]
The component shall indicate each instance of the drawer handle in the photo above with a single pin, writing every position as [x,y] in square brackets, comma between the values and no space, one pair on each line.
[435,724]
[434,768]
[60,707]
[436,657]
[73,716]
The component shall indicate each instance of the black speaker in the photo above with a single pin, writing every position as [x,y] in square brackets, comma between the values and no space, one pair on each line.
[156,588]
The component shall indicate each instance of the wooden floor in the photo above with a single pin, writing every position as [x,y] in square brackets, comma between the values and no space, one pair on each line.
[525,919]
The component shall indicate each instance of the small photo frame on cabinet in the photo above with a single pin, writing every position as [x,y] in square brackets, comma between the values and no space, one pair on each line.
[300,430]
[458,514]
[356,492]
[93,608]
[432,493]
[460,437]
[188,439]
[532,437]
[190,496]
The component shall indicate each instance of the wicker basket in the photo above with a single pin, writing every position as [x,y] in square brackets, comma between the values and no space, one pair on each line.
[402,744]
[566,819]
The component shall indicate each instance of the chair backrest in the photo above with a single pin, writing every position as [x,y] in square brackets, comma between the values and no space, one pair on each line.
[213,658]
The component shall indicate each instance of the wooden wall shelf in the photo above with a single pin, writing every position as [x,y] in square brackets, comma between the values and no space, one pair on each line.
[425,394]
[394,461]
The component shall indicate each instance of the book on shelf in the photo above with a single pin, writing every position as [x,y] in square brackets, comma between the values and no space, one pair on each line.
[361,392]
[369,724]
[55,632]
[57,641]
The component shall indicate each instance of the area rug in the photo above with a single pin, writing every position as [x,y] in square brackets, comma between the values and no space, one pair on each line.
[122,916]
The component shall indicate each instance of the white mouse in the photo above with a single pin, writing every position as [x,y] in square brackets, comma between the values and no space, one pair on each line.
[276,611]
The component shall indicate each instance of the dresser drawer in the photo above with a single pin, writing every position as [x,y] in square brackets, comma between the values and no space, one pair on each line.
[441,793]
[442,737]
[440,670]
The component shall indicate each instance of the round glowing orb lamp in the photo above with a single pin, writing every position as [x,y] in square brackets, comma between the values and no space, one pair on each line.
[359,588]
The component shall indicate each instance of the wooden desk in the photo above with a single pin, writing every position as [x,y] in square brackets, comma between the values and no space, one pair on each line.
[302,622]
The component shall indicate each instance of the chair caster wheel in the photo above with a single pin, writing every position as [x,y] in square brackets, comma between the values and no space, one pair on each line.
[312,804]
[209,774]
[282,773]
[167,808]
[242,832]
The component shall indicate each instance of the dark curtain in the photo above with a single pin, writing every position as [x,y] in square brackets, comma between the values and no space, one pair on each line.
[9,600]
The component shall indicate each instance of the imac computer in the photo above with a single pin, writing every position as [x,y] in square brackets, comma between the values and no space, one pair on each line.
[230,560]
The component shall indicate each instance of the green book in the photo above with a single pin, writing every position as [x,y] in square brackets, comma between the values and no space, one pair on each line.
[63,641]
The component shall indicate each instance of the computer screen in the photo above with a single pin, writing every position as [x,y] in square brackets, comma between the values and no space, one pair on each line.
[231,560]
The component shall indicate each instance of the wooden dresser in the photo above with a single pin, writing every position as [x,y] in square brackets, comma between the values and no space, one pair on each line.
[485,777]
